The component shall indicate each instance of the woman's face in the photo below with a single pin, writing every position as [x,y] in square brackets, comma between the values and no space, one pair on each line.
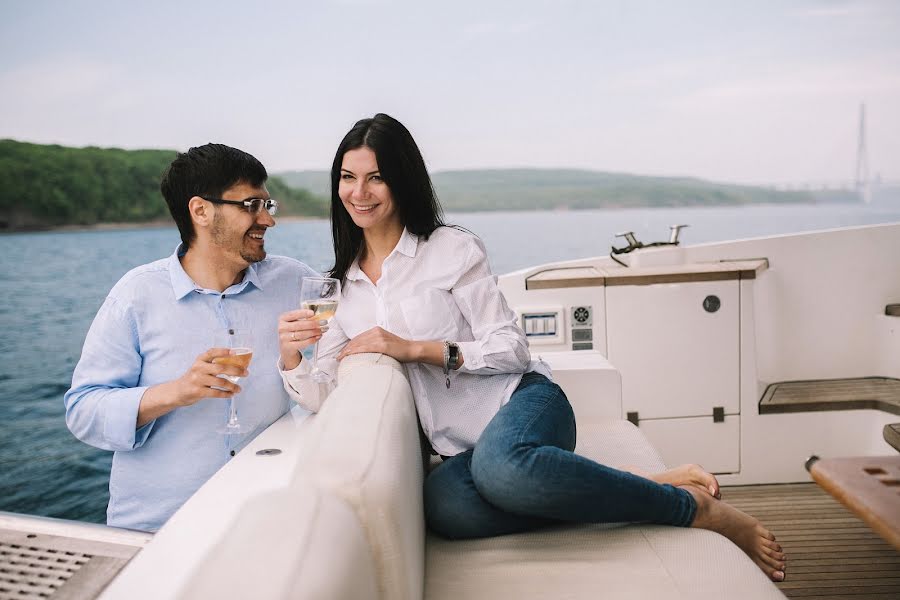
[364,193]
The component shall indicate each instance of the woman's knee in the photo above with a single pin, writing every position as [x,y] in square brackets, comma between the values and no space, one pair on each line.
[556,424]
[501,477]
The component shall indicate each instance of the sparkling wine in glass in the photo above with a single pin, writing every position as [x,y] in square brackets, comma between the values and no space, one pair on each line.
[320,295]
[240,344]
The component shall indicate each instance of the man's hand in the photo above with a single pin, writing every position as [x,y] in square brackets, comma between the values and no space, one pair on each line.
[296,332]
[200,381]
[384,342]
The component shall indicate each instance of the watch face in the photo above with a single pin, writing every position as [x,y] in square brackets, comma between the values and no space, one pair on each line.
[454,354]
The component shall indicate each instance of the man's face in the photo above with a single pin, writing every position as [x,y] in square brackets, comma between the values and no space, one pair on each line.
[236,233]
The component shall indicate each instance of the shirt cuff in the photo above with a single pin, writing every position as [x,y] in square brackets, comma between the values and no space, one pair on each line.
[120,426]
[300,370]
[301,388]
[473,358]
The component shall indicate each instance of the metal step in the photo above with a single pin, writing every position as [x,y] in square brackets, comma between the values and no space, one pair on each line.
[53,558]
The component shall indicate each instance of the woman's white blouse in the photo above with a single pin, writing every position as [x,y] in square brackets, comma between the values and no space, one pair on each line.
[434,290]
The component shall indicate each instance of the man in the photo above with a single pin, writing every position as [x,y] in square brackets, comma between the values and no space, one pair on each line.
[147,386]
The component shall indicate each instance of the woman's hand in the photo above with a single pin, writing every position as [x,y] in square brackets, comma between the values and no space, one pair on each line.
[296,332]
[384,342]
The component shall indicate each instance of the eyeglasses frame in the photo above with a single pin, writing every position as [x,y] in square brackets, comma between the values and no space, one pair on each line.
[272,207]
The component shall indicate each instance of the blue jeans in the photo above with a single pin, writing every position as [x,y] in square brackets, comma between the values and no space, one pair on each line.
[523,474]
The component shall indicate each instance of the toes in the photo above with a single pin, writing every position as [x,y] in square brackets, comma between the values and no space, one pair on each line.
[770,544]
[771,562]
[777,555]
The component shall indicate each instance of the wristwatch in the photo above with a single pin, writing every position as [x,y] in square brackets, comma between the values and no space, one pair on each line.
[451,359]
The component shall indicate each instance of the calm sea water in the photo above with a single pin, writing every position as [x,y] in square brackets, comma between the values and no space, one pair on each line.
[53,283]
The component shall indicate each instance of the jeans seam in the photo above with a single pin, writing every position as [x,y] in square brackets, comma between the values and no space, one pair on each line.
[534,418]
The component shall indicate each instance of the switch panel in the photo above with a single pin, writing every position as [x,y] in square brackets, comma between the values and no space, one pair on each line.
[582,319]
[543,325]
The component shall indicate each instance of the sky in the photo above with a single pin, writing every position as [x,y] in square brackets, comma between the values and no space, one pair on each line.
[748,91]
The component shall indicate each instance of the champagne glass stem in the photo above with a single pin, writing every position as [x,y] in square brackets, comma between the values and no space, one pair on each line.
[232,417]
[315,365]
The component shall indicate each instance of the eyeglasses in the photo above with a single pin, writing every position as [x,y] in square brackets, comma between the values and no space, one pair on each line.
[253,205]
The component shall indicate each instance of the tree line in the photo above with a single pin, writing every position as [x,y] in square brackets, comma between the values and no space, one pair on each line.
[555,189]
[46,186]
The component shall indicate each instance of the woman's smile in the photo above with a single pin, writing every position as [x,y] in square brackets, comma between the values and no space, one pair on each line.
[364,194]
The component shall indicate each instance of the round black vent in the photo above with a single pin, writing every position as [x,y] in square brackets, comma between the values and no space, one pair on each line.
[711,304]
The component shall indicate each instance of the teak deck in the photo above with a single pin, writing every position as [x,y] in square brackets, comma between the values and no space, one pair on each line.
[832,554]
[879,393]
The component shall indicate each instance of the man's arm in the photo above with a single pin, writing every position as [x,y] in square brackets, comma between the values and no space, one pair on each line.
[200,381]
[105,407]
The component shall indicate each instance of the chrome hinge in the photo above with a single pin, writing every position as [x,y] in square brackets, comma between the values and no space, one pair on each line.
[718,414]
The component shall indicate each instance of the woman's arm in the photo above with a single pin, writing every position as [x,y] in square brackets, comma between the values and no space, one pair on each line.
[385,342]
[297,383]
[500,345]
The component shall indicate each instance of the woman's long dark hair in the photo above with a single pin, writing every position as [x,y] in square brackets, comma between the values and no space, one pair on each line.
[402,169]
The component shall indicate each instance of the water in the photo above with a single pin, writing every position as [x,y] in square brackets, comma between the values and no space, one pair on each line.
[53,284]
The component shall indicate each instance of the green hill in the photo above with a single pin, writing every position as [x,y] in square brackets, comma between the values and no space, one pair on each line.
[541,189]
[48,185]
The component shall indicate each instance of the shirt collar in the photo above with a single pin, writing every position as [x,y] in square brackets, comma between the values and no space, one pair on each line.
[182,284]
[407,245]
[353,271]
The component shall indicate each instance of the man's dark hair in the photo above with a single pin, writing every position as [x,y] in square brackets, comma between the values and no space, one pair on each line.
[206,170]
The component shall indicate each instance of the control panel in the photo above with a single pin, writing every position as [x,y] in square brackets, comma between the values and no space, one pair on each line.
[582,319]
[543,325]
[547,325]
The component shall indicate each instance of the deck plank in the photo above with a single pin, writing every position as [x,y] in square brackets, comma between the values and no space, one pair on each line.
[832,554]
[878,393]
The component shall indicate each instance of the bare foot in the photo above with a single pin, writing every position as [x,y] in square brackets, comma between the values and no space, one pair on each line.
[683,475]
[745,531]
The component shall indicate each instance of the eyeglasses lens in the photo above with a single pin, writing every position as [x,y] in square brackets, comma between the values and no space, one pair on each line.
[256,204]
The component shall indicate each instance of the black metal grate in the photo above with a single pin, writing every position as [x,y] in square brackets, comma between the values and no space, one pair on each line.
[28,572]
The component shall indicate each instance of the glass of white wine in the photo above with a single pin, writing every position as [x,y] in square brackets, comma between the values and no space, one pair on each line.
[240,344]
[320,295]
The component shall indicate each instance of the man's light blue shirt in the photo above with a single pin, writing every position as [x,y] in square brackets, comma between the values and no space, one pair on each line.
[150,329]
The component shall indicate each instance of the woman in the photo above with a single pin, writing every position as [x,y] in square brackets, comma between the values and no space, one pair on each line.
[423,293]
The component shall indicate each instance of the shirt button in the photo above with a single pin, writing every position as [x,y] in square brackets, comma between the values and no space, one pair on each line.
[232,452]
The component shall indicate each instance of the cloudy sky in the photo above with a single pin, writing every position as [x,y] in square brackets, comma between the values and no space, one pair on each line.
[760,91]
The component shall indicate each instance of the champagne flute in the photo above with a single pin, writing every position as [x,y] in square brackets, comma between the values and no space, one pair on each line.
[320,295]
[240,344]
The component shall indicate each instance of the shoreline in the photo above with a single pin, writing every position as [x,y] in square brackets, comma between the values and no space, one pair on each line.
[125,225]
[167,222]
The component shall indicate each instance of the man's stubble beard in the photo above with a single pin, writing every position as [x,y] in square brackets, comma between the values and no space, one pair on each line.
[221,237]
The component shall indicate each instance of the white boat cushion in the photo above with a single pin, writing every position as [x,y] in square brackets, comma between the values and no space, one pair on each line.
[617,443]
[589,562]
[364,447]
[283,545]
